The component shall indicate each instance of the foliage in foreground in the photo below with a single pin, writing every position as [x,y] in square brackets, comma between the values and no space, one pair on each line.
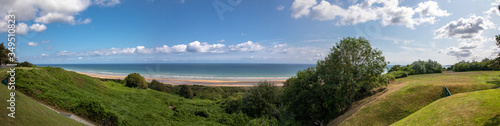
[350,71]
[111,103]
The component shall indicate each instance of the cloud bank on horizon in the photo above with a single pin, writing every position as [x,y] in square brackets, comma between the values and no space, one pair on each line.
[299,31]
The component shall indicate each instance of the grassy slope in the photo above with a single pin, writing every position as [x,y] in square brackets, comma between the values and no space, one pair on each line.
[420,91]
[66,90]
[473,108]
[28,112]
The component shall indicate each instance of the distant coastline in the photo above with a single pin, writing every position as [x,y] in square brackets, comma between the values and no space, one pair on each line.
[235,83]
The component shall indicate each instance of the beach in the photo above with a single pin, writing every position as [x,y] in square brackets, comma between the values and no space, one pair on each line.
[204,82]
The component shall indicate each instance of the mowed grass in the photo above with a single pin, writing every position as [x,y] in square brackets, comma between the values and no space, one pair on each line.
[420,91]
[464,109]
[29,112]
[68,90]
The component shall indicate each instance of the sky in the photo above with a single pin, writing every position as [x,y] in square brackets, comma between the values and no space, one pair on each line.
[248,31]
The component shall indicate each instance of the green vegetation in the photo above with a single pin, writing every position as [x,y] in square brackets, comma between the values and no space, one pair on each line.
[186,91]
[415,68]
[26,64]
[135,80]
[415,92]
[349,72]
[4,55]
[29,112]
[485,64]
[465,109]
[261,100]
[115,104]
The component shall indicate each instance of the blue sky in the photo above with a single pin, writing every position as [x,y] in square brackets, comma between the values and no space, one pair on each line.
[248,31]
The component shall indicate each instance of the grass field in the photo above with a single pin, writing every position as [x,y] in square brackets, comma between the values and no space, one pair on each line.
[464,109]
[29,112]
[418,92]
[108,102]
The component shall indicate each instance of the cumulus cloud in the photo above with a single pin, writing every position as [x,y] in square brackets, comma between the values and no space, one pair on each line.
[457,52]
[22,28]
[470,28]
[280,49]
[302,7]
[204,47]
[49,11]
[32,44]
[174,49]
[38,27]
[246,46]
[388,14]
[144,50]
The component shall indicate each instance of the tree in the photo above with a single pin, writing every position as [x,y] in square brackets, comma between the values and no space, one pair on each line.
[395,68]
[260,100]
[135,80]
[303,96]
[352,69]
[26,64]
[157,85]
[186,91]
[496,63]
[4,57]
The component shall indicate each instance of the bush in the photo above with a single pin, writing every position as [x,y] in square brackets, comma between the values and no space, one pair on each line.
[399,74]
[94,110]
[26,64]
[135,80]
[260,100]
[186,91]
[157,85]
[485,64]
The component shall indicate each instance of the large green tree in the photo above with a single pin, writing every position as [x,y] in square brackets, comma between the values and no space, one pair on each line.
[350,71]
[261,100]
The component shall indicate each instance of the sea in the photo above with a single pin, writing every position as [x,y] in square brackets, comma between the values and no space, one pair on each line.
[197,71]
[194,71]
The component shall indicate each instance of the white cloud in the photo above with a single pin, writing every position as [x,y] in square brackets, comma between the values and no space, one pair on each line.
[49,11]
[32,44]
[175,49]
[143,50]
[246,46]
[280,49]
[388,14]
[492,10]
[222,40]
[280,7]
[205,47]
[457,52]
[470,28]
[302,7]
[106,3]
[38,27]
[43,54]
[80,58]
[21,28]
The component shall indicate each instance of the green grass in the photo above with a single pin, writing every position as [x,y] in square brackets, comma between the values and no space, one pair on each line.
[108,102]
[420,91]
[29,112]
[473,108]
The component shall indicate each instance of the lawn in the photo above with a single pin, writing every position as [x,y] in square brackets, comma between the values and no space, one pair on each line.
[420,91]
[464,109]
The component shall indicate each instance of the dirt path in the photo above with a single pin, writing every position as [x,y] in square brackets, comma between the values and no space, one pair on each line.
[358,105]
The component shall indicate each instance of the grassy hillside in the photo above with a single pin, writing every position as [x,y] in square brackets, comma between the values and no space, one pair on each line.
[473,108]
[28,112]
[111,103]
[418,92]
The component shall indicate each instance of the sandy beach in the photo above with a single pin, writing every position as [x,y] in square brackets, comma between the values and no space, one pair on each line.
[231,83]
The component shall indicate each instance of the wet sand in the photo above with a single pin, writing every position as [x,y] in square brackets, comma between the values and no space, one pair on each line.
[231,83]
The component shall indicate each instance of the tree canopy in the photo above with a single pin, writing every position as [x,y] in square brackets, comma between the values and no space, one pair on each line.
[351,69]
[135,80]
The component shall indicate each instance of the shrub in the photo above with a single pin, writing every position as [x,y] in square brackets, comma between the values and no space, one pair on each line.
[186,91]
[26,64]
[135,80]
[398,74]
[94,110]
[157,85]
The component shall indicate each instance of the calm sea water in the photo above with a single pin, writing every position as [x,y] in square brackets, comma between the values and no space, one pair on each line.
[215,71]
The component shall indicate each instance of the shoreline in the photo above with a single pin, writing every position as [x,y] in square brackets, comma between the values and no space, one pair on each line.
[223,83]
